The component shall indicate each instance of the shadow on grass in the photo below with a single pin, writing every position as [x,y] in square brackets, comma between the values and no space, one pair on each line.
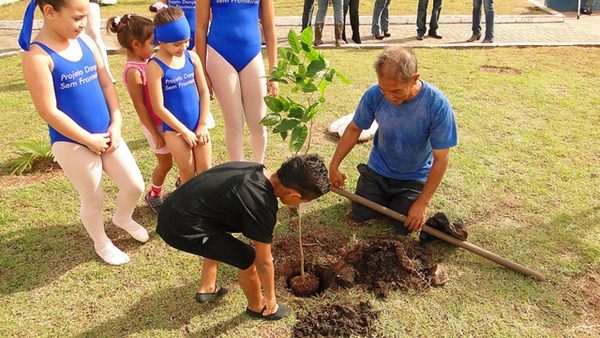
[36,256]
[168,309]
[13,87]
[33,257]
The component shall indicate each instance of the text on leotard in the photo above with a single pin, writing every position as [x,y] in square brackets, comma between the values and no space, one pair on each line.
[179,81]
[252,2]
[78,77]
[186,4]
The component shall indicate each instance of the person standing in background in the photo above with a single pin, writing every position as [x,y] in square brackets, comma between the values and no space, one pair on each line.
[488,6]
[92,29]
[338,13]
[354,20]
[381,19]
[307,13]
[433,22]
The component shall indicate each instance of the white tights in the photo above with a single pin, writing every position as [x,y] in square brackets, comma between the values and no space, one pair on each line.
[84,170]
[240,96]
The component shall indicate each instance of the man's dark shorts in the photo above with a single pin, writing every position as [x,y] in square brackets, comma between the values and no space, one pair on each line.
[222,247]
[397,195]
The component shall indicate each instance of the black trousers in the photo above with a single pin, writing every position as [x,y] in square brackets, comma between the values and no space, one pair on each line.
[397,195]
[354,20]
[307,12]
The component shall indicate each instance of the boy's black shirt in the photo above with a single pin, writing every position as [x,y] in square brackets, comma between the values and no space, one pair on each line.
[230,197]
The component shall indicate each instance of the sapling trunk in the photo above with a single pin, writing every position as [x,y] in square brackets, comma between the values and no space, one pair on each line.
[300,242]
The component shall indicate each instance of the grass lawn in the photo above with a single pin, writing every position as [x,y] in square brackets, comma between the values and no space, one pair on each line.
[294,8]
[525,177]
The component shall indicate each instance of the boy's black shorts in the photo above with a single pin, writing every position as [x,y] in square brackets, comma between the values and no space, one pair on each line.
[222,247]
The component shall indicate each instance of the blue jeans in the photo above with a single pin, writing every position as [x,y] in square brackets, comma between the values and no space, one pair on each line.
[488,6]
[381,17]
[422,16]
[338,11]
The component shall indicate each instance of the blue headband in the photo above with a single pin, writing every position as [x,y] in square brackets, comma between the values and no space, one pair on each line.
[25,36]
[173,31]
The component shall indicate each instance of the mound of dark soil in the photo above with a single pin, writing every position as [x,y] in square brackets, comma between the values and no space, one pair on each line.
[337,320]
[388,264]
[305,287]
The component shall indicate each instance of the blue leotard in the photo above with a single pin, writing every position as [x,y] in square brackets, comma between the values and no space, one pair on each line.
[234,31]
[78,92]
[180,94]
[189,10]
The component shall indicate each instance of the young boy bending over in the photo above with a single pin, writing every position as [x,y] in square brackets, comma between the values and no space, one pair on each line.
[239,197]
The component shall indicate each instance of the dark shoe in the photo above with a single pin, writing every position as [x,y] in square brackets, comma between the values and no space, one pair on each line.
[386,34]
[282,312]
[434,35]
[586,11]
[474,38]
[487,40]
[211,296]
[153,203]
[338,29]
[440,222]
[419,36]
[378,37]
[356,39]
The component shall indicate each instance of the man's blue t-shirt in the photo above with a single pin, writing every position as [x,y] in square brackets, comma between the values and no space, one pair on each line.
[408,132]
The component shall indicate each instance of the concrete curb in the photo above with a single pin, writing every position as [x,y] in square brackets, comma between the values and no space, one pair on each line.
[7,2]
[364,20]
[370,46]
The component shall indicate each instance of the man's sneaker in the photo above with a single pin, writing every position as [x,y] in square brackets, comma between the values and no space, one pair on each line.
[154,203]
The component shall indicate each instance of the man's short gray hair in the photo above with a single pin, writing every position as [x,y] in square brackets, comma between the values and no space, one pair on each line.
[397,62]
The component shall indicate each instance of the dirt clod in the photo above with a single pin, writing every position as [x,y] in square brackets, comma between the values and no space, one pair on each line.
[337,320]
[305,287]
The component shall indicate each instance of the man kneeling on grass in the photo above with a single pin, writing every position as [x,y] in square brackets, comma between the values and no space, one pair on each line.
[200,216]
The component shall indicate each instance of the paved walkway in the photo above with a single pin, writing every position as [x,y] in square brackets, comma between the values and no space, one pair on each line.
[585,31]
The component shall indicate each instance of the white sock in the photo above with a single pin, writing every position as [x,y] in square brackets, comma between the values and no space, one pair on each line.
[133,228]
[111,254]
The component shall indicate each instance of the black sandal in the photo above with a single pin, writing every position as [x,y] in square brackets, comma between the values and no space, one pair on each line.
[282,312]
[208,297]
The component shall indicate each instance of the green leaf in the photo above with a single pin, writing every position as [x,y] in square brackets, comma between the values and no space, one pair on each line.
[310,113]
[294,41]
[315,66]
[312,54]
[299,135]
[284,135]
[342,77]
[301,70]
[309,87]
[307,36]
[295,60]
[282,52]
[270,120]
[285,125]
[296,111]
[286,103]
[274,103]
[322,87]
[329,75]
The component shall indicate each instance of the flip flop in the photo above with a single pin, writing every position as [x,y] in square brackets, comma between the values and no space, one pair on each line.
[208,297]
[282,312]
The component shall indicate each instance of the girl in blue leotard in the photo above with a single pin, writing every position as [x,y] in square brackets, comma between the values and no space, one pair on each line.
[234,66]
[179,94]
[72,91]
